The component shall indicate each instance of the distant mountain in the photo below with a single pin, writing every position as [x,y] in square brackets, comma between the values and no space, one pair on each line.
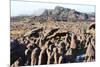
[64,14]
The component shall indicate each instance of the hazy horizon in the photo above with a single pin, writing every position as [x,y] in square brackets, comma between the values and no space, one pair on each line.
[34,8]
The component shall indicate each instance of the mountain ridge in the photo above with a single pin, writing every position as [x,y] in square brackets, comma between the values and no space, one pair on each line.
[60,14]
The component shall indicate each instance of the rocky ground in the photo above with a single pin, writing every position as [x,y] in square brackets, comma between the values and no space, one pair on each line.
[51,42]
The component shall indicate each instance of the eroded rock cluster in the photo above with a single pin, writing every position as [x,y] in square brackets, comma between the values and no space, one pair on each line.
[39,46]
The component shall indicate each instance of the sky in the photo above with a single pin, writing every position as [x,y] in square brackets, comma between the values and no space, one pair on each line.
[36,8]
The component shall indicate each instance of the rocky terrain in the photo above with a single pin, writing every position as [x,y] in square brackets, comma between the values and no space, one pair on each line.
[56,39]
[59,14]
